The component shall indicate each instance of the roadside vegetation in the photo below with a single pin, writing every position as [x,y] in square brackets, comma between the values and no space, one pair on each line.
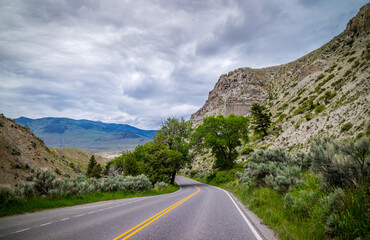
[159,159]
[48,192]
[149,170]
[322,193]
[319,194]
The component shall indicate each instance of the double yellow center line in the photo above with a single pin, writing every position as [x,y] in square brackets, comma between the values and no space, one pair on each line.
[150,220]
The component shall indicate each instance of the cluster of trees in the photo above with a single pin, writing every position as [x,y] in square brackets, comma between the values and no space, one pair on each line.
[161,158]
[172,147]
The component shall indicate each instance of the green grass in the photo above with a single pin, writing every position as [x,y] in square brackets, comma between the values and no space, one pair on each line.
[20,206]
[303,213]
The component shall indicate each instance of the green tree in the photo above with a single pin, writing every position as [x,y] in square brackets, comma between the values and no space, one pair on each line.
[261,118]
[96,171]
[159,161]
[93,168]
[175,133]
[130,165]
[222,135]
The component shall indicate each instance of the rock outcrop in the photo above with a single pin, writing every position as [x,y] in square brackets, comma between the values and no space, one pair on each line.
[314,95]
[234,93]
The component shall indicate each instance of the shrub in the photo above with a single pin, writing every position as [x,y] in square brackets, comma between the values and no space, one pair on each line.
[346,127]
[140,182]
[274,169]
[341,164]
[298,111]
[160,185]
[308,117]
[303,100]
[4,195]
[28,190]
[350,42]
[349,214]
[283,107]
[219,177]
[282,116]
[348,72]
[247,151]
[57,171]
[302,200]
[43,182]
[15,152]
[356,64]
[329,96]
[351,59]
[321,76]
[319,109]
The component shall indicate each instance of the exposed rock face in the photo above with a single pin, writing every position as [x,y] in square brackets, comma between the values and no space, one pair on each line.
[360,23]
[234,93]
[314,95]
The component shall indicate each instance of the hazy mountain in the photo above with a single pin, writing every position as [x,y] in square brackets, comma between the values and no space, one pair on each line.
[97,137]
[21,153]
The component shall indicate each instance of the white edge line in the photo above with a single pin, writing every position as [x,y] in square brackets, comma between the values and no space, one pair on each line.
[48,223]
[22,230]
[256,234]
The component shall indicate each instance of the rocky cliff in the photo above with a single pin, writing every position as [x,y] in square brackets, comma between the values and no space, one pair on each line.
[316,94]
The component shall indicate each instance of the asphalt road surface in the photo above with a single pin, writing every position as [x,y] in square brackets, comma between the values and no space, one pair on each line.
[196,211]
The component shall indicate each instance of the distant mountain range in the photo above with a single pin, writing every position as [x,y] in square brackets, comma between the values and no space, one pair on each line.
[96,137]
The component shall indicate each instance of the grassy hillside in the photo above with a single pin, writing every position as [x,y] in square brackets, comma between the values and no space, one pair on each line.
[22,153]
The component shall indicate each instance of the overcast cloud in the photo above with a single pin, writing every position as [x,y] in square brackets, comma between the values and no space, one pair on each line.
[138,62]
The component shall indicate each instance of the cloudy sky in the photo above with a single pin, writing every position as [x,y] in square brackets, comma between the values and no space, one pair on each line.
[139,62]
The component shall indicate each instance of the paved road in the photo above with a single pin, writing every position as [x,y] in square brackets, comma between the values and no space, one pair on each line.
[196,211]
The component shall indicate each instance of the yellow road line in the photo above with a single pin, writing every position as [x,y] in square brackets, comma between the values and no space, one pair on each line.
[150,220]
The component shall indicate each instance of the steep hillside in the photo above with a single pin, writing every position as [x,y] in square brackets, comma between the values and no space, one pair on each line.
[21,153]
[326,92]
[96,137]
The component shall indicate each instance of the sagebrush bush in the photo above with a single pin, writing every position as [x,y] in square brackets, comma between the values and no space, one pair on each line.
[140,182]
[342,164]
[275,169]
[160,185]
[45,184]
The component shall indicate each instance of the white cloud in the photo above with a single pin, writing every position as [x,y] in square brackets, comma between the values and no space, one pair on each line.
[138,62]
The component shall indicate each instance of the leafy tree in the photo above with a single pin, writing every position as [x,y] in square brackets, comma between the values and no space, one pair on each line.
[175,133]
[261,118]
[222,135]
[160,161]
[161,158]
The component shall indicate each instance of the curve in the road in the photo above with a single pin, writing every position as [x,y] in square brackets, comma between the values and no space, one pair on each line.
[139,227]
[197,211]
